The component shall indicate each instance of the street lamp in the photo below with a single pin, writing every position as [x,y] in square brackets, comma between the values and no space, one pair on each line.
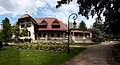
[74,18]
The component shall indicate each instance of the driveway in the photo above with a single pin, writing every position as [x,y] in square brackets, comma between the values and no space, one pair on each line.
[94,55]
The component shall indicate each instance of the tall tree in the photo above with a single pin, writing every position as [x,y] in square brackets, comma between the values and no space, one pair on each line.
[6,31]
[82,25]
[109,8]
[98,24]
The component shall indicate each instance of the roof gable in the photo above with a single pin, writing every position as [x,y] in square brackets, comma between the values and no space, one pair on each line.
[25,17]
[55,23]
[43,23]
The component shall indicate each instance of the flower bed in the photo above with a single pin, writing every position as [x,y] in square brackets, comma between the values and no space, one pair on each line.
[43,46]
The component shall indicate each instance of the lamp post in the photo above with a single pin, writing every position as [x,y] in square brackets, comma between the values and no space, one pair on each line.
[74,18]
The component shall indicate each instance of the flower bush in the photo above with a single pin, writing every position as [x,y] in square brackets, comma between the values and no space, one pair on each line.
[44,46]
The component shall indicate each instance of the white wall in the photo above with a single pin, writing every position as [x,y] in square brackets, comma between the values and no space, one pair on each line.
[31,29]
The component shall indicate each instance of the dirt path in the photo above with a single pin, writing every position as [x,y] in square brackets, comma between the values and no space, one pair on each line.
[94,55]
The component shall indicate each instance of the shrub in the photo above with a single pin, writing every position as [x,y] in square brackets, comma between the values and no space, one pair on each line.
[45,46]
[1,44]
[27,40]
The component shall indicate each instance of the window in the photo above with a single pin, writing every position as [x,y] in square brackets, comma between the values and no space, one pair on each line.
[22,25]
[42,26]
[55,26]
[28,24]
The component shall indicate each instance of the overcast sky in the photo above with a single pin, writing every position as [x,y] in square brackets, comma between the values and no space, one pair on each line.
[13,9]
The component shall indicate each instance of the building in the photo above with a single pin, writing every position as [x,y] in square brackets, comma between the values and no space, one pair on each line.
[42,29]
[79,35]
[47,29]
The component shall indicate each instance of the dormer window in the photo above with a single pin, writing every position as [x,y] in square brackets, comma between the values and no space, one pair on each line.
[55,24]
[43,24]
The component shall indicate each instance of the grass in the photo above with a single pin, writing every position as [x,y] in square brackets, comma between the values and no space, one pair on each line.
[9,55]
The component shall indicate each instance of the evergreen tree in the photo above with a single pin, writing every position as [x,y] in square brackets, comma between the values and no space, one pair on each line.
[82,25]
[6,31]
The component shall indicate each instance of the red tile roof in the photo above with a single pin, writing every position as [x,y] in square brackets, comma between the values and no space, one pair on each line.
[49,23]
[81,31]
[25,16]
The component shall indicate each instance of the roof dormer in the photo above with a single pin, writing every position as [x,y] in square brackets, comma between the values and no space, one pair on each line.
[55,24]
[43,24]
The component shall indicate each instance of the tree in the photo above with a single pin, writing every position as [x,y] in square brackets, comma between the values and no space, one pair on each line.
[82,25]
[1,35]
[98,24]
[16,31]
[1,44]
[24,31]
[96,34]
[109,8]
[6,31]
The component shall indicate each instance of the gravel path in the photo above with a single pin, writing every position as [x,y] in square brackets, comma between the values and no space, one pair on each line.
[94,55]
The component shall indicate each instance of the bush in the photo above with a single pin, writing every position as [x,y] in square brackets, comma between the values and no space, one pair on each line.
[45,46]
[1,44]
[27,40]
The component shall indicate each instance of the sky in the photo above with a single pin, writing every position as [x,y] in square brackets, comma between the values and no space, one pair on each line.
[13,9]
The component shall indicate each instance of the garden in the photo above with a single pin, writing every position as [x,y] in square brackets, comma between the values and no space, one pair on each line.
[37,54]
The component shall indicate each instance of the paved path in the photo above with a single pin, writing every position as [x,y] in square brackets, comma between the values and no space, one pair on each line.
[94,55]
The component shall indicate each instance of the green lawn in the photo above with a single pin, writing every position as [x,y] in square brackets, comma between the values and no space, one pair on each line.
[9,55]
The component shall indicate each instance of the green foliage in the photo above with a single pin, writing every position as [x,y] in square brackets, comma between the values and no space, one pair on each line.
[6,31]
[1,35]
[109,36]
[109,9]
[82,25]
[1,45]
[16,31]
[24,32]
[45,46]
[96,35]
[99,25]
